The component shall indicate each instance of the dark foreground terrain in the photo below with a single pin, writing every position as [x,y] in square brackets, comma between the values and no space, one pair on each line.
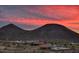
[38,47]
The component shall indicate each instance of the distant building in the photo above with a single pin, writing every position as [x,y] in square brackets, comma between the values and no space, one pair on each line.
[58,47]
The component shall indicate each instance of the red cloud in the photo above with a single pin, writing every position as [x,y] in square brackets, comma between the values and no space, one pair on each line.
[40,22]
[61,12]
[66,15]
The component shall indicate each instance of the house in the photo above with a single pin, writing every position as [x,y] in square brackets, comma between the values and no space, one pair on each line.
[58,47]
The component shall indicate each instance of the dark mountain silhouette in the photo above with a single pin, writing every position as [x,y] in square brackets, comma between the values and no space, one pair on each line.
[55,32]
[46,32]
[10,27]
[12,32]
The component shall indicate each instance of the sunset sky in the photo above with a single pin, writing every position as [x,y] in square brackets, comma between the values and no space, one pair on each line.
[31,17]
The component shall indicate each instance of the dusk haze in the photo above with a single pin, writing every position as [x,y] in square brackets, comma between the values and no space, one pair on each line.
[39,29]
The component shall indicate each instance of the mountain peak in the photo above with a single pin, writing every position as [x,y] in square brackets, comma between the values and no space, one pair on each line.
[49,27]
[54,25]
[11,26]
